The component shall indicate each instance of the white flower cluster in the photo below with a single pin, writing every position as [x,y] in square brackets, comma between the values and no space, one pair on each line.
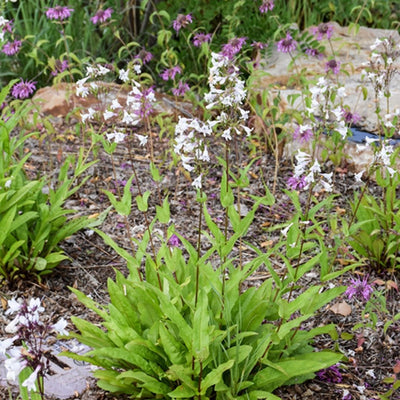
[27,327]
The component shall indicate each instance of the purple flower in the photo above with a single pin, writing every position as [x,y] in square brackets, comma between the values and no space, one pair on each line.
[59,12]
[181,21]
[200,38]
[259,45]
[287,45]
[314,53]
[174,241]
[332,65]
[7,27]
[142,102]
[60,66]
[321,30]
[101,16]
[170,73]
[181,89]
[350,118]
[330,375]
[359,288]
[144,55]
[297,182]
[233,47]
[22,90]
[11,48]
[303,133]
[267,5]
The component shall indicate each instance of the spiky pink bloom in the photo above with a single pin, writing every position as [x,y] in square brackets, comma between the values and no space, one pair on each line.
[303,134]
[181,89]
[233,47]
[181,22]
[174,241]
[23,89]
[314,53]
[267,5]
[287,45]
[60,66]
[11,48]
[297,182]
[200,38]
[59,13]
[102,16]
[322,30]
[332,65]
[170,73]
[144,55]
[359,288]
[351,118]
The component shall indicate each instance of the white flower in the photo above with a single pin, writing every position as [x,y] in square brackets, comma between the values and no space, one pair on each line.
[6,343]
[30,382]
[123,75]
[227,134]
[13,306]
[285,231]
[128,119]
[391,171]
[118,136]
[369,140]
[357,177]
[15,364]
[142,139]
[115,104]
[88,115]
[137,69]
[108,114]
[197,182]
[60,327]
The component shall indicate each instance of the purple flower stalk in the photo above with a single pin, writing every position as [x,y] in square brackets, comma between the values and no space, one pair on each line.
[181,89]
[170,73]
[101,16]
[181,22]
[142,102]
[23,89]
[330,375]
[359,288]
[314,53]
[267,5]
[233,47]
[59,13]
[12,48]
[323,30]
[200,38]
[287,45]
[332,65]
[296,182]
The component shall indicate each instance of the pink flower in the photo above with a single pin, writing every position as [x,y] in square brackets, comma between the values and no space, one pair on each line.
[297,182]
[60,66]
[359,288]
[170,73]
[314,53]
[267,5]
[12,48]
[351,118]
[102,16]
[174,241]
[321,30]
[7,27]
[287,45]
[332,65]
[181,89]
[181,22]
[200,38]
[233,47]
[144,55]
[303,134]
[59,12]
[22,90]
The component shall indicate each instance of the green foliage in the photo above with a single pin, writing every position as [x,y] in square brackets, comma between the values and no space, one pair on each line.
[166,336]
[33,219]
[375,235]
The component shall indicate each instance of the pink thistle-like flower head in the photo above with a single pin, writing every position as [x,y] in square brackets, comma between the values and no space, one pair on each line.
[11,48]
[233,47]
[200,38]
[59,12]
[267,5]
[144,55]
[174,241]
[333,65]
[181,21]
[23,89]
[7,27]
[314,53]
[60,66]
[303,133]
[350,118]
[181,89]
[322,30]
[101,16]
[297,182]
[359,288]
[170,73]
[287,45]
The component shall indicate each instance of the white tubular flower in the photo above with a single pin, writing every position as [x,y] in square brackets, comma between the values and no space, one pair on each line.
[285,231]
[108,114]
[115,104]
[6,344]
[13,306]
[15,364]
[123,75]
[357,177]
[197,182]
[142,139]
[60,326]
[30,382]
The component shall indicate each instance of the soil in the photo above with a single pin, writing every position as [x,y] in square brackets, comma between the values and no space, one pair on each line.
[372,353]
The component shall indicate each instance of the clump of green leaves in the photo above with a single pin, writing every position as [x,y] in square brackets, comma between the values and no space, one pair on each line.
[32,214]
[191,330]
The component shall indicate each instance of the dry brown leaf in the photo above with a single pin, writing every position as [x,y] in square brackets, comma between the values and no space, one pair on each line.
[341,308]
